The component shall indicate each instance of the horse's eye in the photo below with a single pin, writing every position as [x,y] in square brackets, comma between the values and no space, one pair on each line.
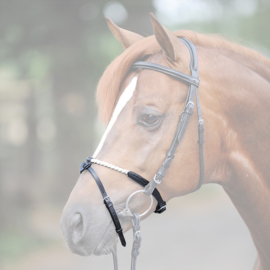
[150,121]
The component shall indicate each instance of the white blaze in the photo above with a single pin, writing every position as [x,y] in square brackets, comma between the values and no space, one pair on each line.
[123,100]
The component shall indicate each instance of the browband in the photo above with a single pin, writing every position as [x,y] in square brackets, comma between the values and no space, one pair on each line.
[168,71]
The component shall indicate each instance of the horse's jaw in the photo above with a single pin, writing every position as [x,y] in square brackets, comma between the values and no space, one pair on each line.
[108,242]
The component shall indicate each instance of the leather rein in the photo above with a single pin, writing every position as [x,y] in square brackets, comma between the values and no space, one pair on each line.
[150,188]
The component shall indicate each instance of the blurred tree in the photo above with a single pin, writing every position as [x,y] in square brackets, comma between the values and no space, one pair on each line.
[61,49]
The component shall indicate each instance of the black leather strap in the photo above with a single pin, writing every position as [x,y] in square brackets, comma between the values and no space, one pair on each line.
[161,205]
[168,71]
[107,201]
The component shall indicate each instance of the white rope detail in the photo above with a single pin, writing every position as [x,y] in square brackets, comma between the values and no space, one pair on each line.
[108,165]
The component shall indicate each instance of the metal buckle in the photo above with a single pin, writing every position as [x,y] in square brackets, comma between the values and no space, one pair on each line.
[119,230]
[190,103]
[201,121]
[149,188]
[156,180]
[161,209]
[200,132]
[108,202]
[126,213]
[196,82]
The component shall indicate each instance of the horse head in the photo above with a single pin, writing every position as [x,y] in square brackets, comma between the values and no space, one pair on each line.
[141,108]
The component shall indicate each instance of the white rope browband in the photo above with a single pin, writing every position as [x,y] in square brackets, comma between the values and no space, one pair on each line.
[108,165]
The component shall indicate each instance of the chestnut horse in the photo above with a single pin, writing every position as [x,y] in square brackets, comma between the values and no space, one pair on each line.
[235,100]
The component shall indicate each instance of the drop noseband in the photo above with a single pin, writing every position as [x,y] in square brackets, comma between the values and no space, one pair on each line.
[150,188]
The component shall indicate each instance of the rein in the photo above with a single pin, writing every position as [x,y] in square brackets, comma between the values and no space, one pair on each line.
[150,188]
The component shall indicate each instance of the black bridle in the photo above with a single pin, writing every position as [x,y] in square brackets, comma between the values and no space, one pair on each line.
[150,187]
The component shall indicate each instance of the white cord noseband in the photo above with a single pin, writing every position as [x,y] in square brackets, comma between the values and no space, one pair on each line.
[108,165]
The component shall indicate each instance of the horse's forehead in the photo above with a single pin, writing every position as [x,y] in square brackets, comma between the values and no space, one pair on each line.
[156,85]
[151,83]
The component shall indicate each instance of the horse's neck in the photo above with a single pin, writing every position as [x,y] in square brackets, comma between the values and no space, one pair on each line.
[249,192]
[244,98]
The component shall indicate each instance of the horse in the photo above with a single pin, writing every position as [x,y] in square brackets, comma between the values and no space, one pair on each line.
[234,94]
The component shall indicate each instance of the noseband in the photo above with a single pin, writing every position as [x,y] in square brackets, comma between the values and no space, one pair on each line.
[150,188]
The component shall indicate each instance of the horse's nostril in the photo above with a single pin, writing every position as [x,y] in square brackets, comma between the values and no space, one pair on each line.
[77,226]
[77,219]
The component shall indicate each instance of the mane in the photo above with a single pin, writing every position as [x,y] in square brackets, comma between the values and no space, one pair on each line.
[110,82]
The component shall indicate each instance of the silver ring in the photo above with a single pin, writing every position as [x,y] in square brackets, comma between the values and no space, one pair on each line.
[131,195]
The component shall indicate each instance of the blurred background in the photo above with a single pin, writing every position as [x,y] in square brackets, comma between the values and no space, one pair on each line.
[52,54]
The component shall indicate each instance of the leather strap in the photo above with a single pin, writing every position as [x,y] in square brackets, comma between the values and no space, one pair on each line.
[106,200]
[168,71]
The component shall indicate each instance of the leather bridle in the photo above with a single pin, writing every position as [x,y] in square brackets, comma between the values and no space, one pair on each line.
[150,188]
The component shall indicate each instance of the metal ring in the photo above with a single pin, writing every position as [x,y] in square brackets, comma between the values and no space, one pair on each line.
[139,191]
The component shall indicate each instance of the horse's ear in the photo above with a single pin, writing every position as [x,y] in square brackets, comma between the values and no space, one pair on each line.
[166,39]
[127,38]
